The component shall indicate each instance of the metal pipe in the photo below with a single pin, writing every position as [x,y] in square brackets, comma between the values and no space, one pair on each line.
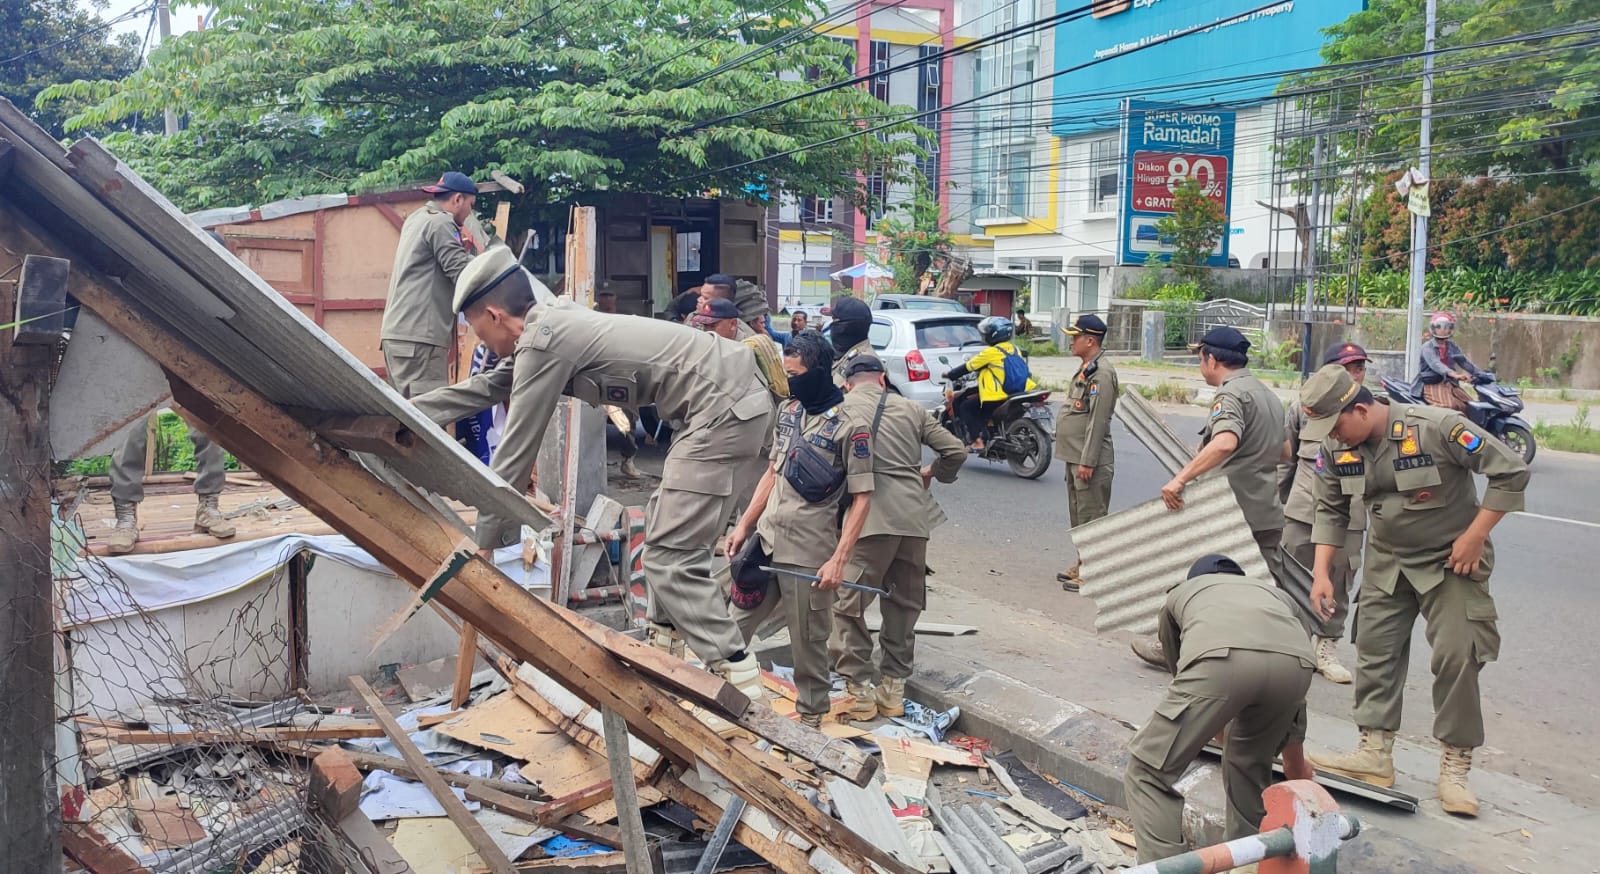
[1419,223]
[1274,844]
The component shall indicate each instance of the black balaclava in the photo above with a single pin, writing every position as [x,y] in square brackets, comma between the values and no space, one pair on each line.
[814,389]
[852,318]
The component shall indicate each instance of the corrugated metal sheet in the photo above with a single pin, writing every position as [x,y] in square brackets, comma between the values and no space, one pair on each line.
[1131,558]
[1142,419]
[113,221]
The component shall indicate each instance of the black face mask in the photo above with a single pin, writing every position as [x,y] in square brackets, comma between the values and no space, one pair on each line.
[845,334]
[815,390]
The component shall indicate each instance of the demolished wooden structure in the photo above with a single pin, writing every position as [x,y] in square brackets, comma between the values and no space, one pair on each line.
[260,379]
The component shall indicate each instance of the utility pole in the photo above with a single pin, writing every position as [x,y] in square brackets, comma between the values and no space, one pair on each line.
[1307,356]
[164,23]
[1419,223]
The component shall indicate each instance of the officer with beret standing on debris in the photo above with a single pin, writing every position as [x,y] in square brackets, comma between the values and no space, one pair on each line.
[1295,482]
[1244,436]
[559,347]
[822,463]
[893,552]
[1083,434]
[852,320]
[1241,660]
[1428,553]
[418,323]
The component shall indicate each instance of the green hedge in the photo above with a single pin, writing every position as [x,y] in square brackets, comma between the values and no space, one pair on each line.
[1568,293]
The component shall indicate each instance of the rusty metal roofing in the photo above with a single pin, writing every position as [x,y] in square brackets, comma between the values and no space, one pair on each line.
[114,222]
[1131,558]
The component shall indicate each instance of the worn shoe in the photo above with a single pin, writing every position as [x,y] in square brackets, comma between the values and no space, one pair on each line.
[1372,762]
[126,534]
[811,720]
[1069,579]
[891,697]
[1455,796]
[630,470]
[1149,650]
[665,638]
[1328,661]
[863,707]
[208,519]
[745,675]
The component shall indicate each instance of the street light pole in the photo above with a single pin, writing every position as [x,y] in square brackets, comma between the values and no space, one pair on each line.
[1419,223]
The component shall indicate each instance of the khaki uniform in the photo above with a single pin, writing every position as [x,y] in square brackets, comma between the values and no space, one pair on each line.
[1420,496]
[802,536]
[628,361]
[1246,407]
[418,322]
[769,368]
[1239,655]
[1083,438]
[862,348]
[892,553]
[127,466]
[1295,485]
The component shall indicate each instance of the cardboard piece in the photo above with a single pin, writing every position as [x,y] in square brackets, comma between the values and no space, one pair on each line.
[507,725]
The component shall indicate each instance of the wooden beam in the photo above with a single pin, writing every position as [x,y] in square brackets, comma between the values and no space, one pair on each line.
[512,799]
[243,735]
[466,654]
[95,852]
[335,786]
[412,541]
[471,829]
[783,855]
[634,844]
[380,435]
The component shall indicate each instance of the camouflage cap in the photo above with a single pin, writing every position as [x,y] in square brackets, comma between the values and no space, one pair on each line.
[1324,396]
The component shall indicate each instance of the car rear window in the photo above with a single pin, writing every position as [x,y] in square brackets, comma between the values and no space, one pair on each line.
[951,334]
[932,303]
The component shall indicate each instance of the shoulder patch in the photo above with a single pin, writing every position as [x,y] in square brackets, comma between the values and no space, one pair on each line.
[1397,431]
[1318,463]
[1467,440]
[1456,431]
[1216,409]
[860,444]
[1094,389]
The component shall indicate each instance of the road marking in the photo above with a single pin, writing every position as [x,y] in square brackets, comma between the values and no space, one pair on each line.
[1558,519]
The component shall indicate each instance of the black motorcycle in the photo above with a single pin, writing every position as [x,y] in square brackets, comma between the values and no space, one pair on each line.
[1021,430]
[1494,411]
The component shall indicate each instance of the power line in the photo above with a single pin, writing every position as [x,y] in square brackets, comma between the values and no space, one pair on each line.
[96,28]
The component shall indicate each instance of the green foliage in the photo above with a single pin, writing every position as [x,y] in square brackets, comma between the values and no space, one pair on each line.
[174,452]
[1166,392]
[1282,355]
[296,97]
[54,41]
[1577,436]
[1177,300]
[1195,226]
[913,237]
[1568,293]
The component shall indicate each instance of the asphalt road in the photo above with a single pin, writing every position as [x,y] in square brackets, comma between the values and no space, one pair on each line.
[1007,539]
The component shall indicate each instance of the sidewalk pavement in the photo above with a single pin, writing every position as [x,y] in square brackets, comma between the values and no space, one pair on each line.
[1058,370]
[1068,701]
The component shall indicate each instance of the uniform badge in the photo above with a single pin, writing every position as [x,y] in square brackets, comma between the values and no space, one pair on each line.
[1469,441]
[1397,431]
[1094,390]
[1348,463]
[1423,496]
[1216,410]
[1409,445]
[1318,463]
[859,444]
[1347,457]
[1077,404]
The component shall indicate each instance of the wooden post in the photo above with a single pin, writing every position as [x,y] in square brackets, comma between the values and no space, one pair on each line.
[30,813]
[465,656]
[580,287]
[634,844]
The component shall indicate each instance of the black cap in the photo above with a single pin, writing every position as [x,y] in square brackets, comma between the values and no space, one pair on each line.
[716,309]
[1344,353]
[459,183]
[863,364]
[1215,563]
[1224,337]
[1088,323]
[848,308]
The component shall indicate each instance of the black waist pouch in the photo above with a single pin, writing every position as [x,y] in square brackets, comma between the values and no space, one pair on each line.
[814,478]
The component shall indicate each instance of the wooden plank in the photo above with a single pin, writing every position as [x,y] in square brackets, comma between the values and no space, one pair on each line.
[512,799]
[94,851]
[465,655]
[507,725]
[940,755]
[634,843]
[412,541]
[243,735]
[600,863]
[165,823]
[783,855]
[453,808]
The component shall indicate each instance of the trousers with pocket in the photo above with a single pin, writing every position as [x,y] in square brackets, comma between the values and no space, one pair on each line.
[415,368]
[899,565]
[809,624]
[1263,695]
[1346,562]
[127,466]
[1460,621]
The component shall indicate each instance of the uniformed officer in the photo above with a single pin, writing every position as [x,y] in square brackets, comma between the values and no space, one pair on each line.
[418,323]
[1239,655]
[1244,436]
[1299,512]
[1428,552]
[127,489]
[822,454]
[852,321]
[893,552]
[1083,434]
[560,347]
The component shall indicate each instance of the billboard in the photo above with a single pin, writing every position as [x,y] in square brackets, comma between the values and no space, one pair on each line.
[1165,144]
[1133,48]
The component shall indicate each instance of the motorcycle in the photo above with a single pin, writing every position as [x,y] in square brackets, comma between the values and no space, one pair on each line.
[1494,411]
[1021,430]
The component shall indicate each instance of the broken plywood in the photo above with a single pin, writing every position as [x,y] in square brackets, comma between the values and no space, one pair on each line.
[936,753]
[507,725]
[165,823]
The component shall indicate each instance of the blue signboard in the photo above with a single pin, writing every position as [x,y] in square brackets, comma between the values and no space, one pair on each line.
[1224,52]
[1164,145]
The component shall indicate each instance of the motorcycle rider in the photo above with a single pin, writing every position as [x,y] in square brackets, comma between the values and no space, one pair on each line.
[1445,366]
[974,408]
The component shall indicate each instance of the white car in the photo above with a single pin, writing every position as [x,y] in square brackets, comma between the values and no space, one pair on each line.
[918,346]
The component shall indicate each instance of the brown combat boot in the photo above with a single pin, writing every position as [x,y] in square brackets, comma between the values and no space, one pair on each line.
[1455,796]
[1149,650]
[891,696]
[1069,579]
[1372,762]
[126,534]
[208,519]
[862,706]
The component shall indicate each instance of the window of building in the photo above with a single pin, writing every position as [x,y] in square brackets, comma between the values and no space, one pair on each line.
[1047,289]
[814,281]
[1089,297]
[880,69]
[1105,171]
[930,96]
[816,210]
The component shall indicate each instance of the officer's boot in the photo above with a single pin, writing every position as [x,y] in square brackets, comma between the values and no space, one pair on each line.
[208,519]
[126,534]
[1149,650]
[1372,762]
[745,675]
[665,638]
[1069,579]
[891,695]
[863,704]
[630,470]
[811,720]
[1455,796]
[1328,660]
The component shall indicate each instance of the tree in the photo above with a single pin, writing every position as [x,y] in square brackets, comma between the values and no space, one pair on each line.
[913,237]
[291,97]
[1194,228]
[43,43]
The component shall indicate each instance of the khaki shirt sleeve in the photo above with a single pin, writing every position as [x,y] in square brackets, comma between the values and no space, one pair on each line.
[1332,521]
[1483,453]
[447,249]
[452,403]
[952,452]
[857,449]
[1227,415]
[1105,403]
[537,384]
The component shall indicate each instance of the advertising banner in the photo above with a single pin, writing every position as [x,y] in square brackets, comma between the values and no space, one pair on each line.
[1163,145]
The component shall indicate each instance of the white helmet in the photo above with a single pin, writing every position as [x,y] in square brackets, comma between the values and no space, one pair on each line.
[1442,325]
